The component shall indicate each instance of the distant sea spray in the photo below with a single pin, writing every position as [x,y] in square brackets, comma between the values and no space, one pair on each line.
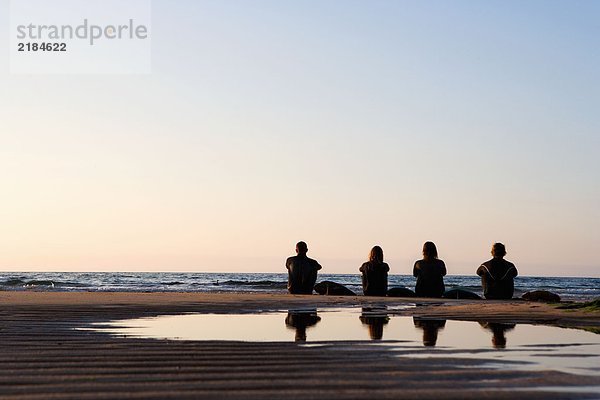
[567,288]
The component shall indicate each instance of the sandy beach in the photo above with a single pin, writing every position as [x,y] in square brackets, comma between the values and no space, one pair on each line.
[44,357]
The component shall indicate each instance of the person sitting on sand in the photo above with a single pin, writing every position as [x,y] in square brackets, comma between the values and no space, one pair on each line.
[302,271]
[430,273]
[375,274]
[497,275]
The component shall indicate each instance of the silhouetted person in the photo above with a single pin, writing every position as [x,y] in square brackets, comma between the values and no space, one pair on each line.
[375,274]
[302,271]
[498,330]
[300,321]
[430,273]
[497,275]
[374,322]
[430,329]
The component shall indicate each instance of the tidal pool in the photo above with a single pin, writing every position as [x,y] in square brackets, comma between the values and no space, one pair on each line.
[524,346]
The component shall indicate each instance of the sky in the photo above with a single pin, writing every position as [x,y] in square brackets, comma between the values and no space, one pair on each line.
[346,124]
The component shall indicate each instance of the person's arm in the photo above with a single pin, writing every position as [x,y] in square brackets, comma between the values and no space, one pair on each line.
[443,268]
[362,268]
[514,270]
[481,270]
[387,267]
[416,269]
[316,264]
[511,272]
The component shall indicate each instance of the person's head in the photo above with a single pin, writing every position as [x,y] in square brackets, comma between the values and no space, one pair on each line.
[376,331]
[301,248]
[429,251]
[430,335]
[498,338]
[376,255]
[498,250]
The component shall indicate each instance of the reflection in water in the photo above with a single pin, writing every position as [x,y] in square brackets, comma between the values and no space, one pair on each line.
[300,320]
[375,319]
[430,329]
[532,346]
[498,338]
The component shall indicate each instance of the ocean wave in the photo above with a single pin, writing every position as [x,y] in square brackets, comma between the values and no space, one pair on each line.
[35,283]
[568,288]
[13,282]
[18,282]
[264,283]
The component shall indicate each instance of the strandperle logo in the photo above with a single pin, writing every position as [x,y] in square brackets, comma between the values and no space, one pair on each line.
[80,37]
[84,31]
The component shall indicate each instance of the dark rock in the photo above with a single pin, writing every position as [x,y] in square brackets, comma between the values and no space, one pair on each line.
[542,296]
[460,294]
[333,289]
[400,292]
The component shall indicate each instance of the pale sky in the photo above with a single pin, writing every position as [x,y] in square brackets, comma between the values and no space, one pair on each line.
[345,124]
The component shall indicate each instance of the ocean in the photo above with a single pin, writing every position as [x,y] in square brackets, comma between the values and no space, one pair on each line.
[578,289]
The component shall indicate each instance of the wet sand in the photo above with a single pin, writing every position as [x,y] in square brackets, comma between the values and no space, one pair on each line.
[43,357]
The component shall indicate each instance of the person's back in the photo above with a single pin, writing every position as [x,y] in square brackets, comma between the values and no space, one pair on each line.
[374,278]
[430,272]
[497,275]
[302,271]
[430,278]
[375,274]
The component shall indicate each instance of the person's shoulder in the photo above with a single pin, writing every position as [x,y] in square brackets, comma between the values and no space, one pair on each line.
[441,262]
[364,266]
[484,267]
[291,260]
[509,264]
[419,262]
[378,265]
[314,262]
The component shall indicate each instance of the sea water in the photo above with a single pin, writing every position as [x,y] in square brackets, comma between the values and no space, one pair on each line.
[568,288]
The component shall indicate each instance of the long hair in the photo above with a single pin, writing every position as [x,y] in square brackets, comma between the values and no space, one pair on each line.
[376,255]
[429,251]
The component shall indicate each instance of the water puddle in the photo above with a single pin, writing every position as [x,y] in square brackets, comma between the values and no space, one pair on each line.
[523,346]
